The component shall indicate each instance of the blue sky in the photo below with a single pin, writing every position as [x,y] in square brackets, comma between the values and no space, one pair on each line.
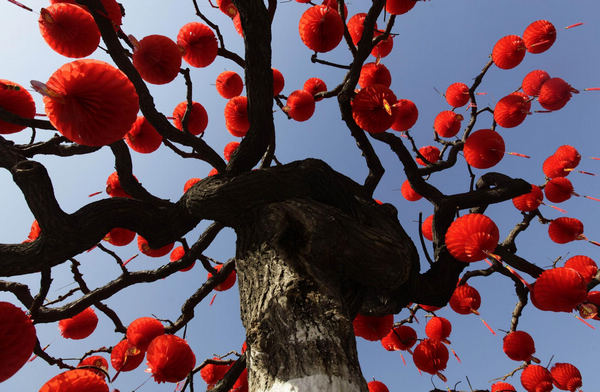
[438,43]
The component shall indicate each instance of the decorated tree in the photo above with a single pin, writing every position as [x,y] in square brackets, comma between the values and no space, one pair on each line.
[334,209]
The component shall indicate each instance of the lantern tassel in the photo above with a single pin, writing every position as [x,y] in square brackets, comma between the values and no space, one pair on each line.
[441,376]
[591,198]
[212,299]
[488,326]
[592,89]
[555,207]
[573,25]
[518,154]
[131,258]
[403,360]
[20,5]
[455,355]
[585,322]
[94,194]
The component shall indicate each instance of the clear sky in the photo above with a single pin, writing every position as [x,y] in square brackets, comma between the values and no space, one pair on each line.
[439,42]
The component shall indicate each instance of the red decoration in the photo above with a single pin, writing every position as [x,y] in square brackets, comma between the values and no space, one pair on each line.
[568,155]
[230,149]
[177,254]
[143,137]
[536,378]
[300,105]
[278,81]
[457,95]
[465,300]
[157,58]
[372,327]
[566,376]
[555,93]
[384,47]
[402,337]
[15,99]
[377,386]
[438,328]
[124,357]
[34,231]
[409,193]
[356,26]
[227,7]
[399,7]
[227,283]
[119,236]
[333,4]
[75,380]
[199,44]
[430,356]
[427,228]
[532,82]
[198,118]
[91,102]
[372,108]
[97,361]
[142,330]
[431,153]
[170,359]
[79,326]
[314,86]
[539,36]
[405,115]
[321,28]
[374,73]
[564,229]
[229,84]
[189,183]
[483,149]
[241,384]
[529,201]
[113,10]
[519,346]
[17,339]
[511,110]
[213,373]
[113,186]
[69,30]
[472,237]
[553,167]
[503,387]
[236,116]
[508,52]
[558,189]
[447,123]
[152,252]
[559,289]
[586,266]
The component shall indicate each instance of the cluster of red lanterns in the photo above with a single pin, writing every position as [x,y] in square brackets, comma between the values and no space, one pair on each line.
[510,50]
[562,162]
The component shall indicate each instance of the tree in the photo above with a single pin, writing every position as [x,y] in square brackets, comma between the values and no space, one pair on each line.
[313,248]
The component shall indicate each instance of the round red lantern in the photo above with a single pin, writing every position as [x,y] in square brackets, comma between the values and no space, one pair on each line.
[532,82]
[314,86]
[457,94]
[17,339]
[377,386]
[227,283]
[356,26]
[559,289]
[15,99]
[586,266]
[539,36]
[465,300]
[405,115]
[229,150]
[408,193]
[568,155]
[511,110]
[402,337]
[372,327]
[566,376]
[384,47]
[372,108]
[555,93]
[278,81]
[321,28]
[91,102]
[438,328]
[236,116]
[484,148]
[374,73]
[142,330]
[197,120]
[227,7]
[553,167]
[153,252]
[96,361]
[199,44]
[189,183]
[519,346]
[447,123]
[509,51]
[124,357]
[430,153]
[333,4]
[176,255]
[229,84]
[430,356]
[472,237]
[427,228]
[536,378]
[213,373]
[74,381]
[503,387]
[300,105]
[564,229]
[119,236]
[558,189]
[529,201]
[113,186]
[79,326]
[157,58]
[143,137]
[170,359]
[399,7]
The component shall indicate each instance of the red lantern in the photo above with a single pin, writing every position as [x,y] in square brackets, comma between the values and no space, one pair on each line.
[213,373]
[564,229]
[405,115]
[430,356]
[356,26]
[278,81]
[532,82]
[79,326]
[553,167]
[229,84]
[566,376]
[536,378]
[430,153]
[529,201]
[438,328]
[152,252]
[236,116]
[559,289]
[237,23]
[472,237]
[157,58]
[374,73]
[189,183]
[402,337]
[465,300]
[503,387]
[170,359]
[112,8]
[377,386]
[519,346]
[142,330]
[119,236]
[539,36]
[409,193]
[457,95]
[427,228]
[176,255]
[227,283]
[143,137]
[199,44]
[90,102]
[17,339]
[34,231]
[399,7]
[197,120]
[447,123]
[511,110]
[555,93]
[113,186]
[300,105]
[125,357]
[75,380]
[558,189]
[241,384]
[321,28]
[483,149]
[586,267]
[96,361]
[69,30]
[372,108]
[568,156]
[333,4]
[508,52]
[230,149]
[372,327]
[15,99]
[314,86]
[384,47]
[227,7]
